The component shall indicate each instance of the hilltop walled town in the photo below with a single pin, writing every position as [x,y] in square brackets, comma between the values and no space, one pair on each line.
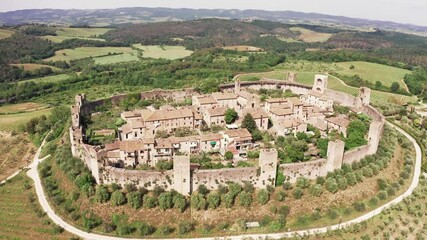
[137,144]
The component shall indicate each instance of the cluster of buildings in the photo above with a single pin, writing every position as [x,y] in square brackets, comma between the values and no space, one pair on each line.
[137,142]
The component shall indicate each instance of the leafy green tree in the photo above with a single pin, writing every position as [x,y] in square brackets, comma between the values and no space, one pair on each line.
[394,87]
[280,178]
[102,194]
[230,116]
[249,123]
[118,198]
[185,227]
[316,190]
[227,199]
[356,132]
[144,229]
[298,192]
[245,199]
[214,200]
[234,189]
[351,178]
[198,202]
[134,199]
[341,181]
[303,182]
[331,185]
[280,196]
[149,201]
[228,155]
[179,202]
[91,220]
[283,210]
[263,196]
[165,200]
[203,190]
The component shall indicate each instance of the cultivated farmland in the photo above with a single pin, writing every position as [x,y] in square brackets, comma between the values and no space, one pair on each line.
[11,122]
[167,52]
[34,66]
[21,107]
[125,57]
[85,52]
[4,33]
[311,36]
[80,33]
[21,216]
[48,79]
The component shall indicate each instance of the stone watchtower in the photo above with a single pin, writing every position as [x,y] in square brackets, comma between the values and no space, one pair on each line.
[79,101]
[320,83]
[268,167]
[335,156]
[237,86]
[364,98]
[181,175]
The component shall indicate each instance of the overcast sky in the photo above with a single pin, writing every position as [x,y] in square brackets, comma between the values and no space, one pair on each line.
[403,11]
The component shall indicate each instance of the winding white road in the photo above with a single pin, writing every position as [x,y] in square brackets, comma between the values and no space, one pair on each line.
[33,173]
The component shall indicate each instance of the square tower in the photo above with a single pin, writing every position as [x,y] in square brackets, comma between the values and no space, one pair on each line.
[181,174]
[320,83]
[365,95]
[268,166]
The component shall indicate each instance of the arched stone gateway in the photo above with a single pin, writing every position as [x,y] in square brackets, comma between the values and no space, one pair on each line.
[184,178]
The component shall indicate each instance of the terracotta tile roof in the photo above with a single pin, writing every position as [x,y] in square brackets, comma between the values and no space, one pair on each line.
[126,128]
[239,133]
[281,111]
[148,140]
[130,114]
[340,121]
[163,143]
[132,145]
[112,146]
[218,96]
[211,136]
[295,101]
[172,114]
[206,99]
[145,113]
[215,112]
[257,113]
[247,95]
[276,100]
[136,123]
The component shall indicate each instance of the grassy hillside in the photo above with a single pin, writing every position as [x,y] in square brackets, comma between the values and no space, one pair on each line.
[4,33]
[34,66]
[167,52]
[85,52]
[80,33]
[11,122]
[311,36]
[47,79]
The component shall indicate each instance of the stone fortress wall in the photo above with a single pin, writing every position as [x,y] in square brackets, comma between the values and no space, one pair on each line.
[184,180]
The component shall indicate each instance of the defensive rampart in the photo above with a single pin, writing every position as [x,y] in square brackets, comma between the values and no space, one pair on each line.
[185,181]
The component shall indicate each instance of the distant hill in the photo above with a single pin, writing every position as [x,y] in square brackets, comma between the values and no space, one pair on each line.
[108,17]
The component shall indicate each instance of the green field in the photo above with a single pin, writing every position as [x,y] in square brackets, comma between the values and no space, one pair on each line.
[21,216]
[34,66]
[48,79]
[126,57]
[21,107]
[80,33]
[4,33]
[311,36]
[85,52]
[333,83]
[167,52]
[371,72]
[11,122]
